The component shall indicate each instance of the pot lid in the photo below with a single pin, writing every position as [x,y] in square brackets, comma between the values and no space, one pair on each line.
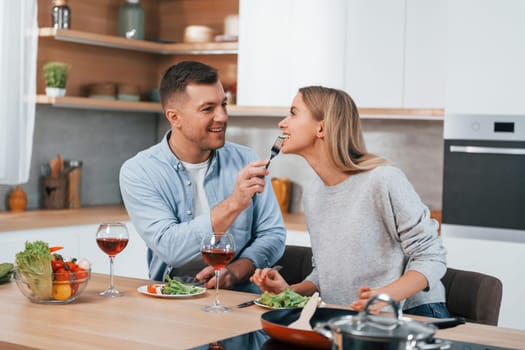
[381,328]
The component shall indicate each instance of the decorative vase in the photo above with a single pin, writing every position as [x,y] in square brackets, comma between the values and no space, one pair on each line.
[55,92]
[282,187]
[131,20]
[17,200]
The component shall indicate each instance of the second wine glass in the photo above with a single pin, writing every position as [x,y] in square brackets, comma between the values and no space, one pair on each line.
[112,238]
[217,250]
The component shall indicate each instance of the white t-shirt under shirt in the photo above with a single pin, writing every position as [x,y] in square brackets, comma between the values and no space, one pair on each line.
[196,173]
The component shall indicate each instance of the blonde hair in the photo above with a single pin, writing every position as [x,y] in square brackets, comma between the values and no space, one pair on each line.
[342,125]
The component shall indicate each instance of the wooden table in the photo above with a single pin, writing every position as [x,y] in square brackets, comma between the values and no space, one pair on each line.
[136,321]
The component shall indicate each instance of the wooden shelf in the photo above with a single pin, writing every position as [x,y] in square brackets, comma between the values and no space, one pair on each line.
[234,110]
[93,103]
[116,42]
[431,114]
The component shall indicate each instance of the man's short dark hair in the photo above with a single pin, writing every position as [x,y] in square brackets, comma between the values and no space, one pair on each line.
[178,76]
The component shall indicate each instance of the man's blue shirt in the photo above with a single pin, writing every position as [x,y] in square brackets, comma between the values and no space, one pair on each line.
[158,195]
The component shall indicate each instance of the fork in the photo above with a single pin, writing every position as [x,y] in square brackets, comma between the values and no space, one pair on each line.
[276,148]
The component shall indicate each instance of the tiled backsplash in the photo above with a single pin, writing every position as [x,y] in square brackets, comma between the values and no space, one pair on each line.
[103,140]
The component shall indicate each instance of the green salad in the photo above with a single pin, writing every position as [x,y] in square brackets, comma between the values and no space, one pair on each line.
[287,298]
[174,287]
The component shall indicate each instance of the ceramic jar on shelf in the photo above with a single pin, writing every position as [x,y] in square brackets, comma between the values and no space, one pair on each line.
[131,20]
[17,200]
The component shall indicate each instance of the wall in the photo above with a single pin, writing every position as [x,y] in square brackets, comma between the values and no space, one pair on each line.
[103,140]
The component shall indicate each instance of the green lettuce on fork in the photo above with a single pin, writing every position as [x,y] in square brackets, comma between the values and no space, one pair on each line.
[34,266]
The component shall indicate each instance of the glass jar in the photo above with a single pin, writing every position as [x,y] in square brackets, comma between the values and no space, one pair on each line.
[131,20]
[61,14]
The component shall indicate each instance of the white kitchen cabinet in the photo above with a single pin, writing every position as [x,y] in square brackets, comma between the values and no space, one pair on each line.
[79,241]
[385,53]
[286,44]
[396,55]
[375,49]
[503,260]
[425,54]
[486,57]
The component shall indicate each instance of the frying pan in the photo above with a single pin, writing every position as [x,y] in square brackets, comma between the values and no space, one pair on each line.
[275,323]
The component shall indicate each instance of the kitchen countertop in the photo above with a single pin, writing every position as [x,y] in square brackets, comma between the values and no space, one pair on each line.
[36,219]
[136,321]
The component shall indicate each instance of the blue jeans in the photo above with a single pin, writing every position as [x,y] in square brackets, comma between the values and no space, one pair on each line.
[436,310]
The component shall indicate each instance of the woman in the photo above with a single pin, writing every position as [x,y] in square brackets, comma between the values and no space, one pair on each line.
[369,230]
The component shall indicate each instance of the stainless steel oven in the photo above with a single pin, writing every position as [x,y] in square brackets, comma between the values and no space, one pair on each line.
[484,177]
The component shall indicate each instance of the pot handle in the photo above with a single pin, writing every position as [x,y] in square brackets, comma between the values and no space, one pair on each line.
[436,344]
[387,299]
[325,330]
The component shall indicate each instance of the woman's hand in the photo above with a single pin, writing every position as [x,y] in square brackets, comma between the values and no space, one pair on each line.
[402,288]
[364,294]
[269,280]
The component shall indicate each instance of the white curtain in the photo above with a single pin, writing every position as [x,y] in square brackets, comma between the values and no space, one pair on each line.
[18,52]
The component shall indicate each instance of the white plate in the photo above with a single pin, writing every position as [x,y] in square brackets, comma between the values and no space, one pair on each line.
[258,303]
[144,290]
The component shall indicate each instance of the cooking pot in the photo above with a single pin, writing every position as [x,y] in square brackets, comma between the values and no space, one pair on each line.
[366,331]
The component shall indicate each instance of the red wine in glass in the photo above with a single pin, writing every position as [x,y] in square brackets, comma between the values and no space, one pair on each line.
[112,238]
[217,249]
[112,246]
[217,257]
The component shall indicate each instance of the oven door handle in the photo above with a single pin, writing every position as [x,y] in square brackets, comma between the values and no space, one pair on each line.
[484,150]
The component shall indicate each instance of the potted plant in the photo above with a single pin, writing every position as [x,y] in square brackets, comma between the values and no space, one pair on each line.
[55,75]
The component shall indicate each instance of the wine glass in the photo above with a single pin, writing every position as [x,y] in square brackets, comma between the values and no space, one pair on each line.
[112,238]
[217,250]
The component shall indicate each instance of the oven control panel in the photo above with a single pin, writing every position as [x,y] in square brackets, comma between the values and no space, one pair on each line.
[485,127]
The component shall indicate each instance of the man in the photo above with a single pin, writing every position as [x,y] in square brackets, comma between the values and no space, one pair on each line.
[193,183]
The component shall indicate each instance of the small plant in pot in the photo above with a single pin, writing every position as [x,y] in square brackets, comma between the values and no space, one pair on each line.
[55,75]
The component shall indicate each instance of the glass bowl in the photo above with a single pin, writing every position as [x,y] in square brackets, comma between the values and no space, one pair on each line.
[53,288]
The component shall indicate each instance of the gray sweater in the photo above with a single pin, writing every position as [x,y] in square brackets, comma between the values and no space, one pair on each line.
[369,230]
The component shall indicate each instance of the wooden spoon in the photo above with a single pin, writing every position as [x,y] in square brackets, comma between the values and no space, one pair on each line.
[306,314]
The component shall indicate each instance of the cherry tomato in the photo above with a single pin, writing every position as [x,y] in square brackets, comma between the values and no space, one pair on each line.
[152,289]
[62,274]
[80,273]
[56,264]
[71,265]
